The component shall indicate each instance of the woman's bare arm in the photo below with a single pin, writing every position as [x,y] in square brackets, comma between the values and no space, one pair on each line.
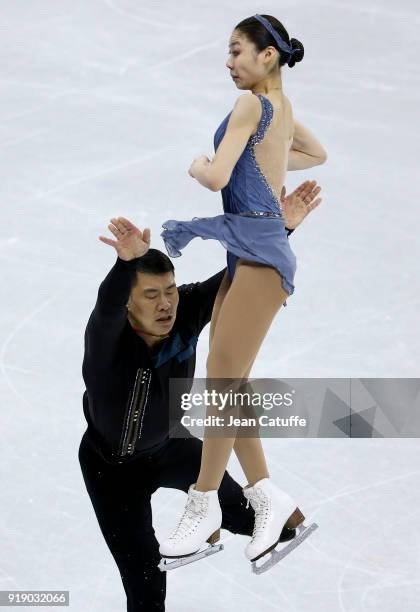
[306,151]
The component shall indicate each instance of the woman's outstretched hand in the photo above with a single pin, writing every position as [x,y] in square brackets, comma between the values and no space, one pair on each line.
[299,203]
[131,242]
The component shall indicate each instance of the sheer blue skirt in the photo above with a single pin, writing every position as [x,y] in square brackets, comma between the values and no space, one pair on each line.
[262,239]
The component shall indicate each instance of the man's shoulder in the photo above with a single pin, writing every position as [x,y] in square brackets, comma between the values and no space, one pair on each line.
[200,292]
[188,288]
[196,300]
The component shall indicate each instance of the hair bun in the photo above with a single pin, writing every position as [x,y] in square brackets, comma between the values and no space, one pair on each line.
[298,54]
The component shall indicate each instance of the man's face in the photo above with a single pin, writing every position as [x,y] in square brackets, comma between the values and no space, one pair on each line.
[153,304]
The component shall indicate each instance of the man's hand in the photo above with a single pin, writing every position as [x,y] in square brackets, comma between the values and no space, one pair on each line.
[131,242]
[299,203]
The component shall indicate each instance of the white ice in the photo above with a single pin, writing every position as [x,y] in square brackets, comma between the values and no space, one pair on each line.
[103,106]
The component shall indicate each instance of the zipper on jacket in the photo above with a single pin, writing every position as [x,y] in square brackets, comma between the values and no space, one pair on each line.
[137,403]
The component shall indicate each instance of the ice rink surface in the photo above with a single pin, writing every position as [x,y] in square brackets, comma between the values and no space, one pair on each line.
[103,107]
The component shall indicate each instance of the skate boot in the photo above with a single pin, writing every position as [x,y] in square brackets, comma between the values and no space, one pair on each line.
[274,510]
[200,523]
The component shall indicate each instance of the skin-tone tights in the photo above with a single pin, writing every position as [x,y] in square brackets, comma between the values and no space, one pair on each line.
[242,315]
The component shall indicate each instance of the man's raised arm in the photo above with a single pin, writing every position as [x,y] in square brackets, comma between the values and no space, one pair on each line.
[108,318]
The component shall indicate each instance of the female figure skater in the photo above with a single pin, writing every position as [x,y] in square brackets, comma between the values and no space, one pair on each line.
[254,146]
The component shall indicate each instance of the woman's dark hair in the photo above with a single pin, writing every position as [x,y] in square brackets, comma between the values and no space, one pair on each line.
[261,37]
[153,262]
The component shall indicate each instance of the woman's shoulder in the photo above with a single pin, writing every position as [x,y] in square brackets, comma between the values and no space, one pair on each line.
[248,100]
[247,106]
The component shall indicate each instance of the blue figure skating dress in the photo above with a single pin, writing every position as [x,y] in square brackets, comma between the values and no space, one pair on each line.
[252,226]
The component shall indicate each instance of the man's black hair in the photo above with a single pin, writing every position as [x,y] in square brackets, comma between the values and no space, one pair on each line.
[153,262]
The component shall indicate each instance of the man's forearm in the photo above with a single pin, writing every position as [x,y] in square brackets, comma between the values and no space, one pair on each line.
[108,318]
[115,289]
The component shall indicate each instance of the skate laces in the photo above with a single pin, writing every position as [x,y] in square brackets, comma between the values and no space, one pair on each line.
[261,505]
[195,509]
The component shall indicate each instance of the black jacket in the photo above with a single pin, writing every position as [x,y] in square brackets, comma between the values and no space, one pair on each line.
[126,402]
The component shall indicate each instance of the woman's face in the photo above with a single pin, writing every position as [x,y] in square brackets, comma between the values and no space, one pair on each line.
[246,66]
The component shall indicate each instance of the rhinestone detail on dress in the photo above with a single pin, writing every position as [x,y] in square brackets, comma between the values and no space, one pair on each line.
[256,139]
[259,213]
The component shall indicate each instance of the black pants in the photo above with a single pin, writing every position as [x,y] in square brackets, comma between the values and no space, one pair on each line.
[121,497]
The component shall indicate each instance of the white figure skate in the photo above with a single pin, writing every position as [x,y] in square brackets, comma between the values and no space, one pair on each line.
[274,509]
[199,524]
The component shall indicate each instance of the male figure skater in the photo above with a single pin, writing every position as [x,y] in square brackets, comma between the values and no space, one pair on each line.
[143,331]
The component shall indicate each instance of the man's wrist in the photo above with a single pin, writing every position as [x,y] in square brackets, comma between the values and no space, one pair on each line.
[129,262]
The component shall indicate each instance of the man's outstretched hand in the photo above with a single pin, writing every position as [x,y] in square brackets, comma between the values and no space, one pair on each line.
[299,203]
[131,242]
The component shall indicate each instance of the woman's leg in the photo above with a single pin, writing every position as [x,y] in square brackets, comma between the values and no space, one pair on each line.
[250,452]
[247,311]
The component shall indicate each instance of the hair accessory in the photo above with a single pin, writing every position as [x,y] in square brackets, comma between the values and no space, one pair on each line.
[281,43]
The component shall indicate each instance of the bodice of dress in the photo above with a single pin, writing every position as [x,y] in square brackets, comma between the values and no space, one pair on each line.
[250,187]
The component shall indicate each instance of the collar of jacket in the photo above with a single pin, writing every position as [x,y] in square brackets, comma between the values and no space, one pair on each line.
[179,345]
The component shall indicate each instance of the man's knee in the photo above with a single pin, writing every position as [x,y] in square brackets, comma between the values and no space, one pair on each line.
[144,558]
[127,542]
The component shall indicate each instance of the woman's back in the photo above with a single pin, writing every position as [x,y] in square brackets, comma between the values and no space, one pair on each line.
[272,152]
